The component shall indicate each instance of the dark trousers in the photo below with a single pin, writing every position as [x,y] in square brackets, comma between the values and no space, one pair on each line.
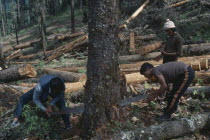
[179,87]
[28,97]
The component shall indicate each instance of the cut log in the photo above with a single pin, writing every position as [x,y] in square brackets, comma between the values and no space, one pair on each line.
[24,62]
[68,47]
[149,48]
[203,59]
[26,45]
[199,89]
[178,4]
[14,53]
[68,36]
[165,130]
[15,56]
[32,56]
[73,69]
[144,37]
[196,66]
[132,43]
[193,48]
[67,76]
[14,89]
[135,14]
[17,73]
[73,87]
[138,57]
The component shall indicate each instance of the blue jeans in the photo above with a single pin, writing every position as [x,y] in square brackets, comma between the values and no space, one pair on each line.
[28,97]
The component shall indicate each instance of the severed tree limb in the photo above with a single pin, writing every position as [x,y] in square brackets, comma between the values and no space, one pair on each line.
[178,4]
[165,130]
[68,47]
[68,36]
[149,48]
[135,14]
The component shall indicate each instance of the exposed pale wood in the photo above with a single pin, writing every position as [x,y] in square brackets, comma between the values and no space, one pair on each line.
[26,45]
[67,76]
[17,73]
[135,78]
[149,48]
[73,87]
[138,11]
[68,47]
[73,69]
[68,36]
[178,4]
[166,129]
[132,42]
[14,53]
[31,56]
[135,14]
[196,66]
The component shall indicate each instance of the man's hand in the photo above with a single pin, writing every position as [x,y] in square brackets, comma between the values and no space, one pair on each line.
[152,95]
[163,52]
[48,110]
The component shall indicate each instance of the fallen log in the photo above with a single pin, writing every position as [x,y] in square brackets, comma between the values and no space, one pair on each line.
[178,4]
[68,47]
[199,89]
[188,49]
[186,60]
[73,69]
[14,53]
[67,76]
[199,65]
[73,87]
[149,48]
[32,56]
[68,36]
[24,62]
[135,14]
[26,45]
[138,57]
[205,48]
[14,89]
[17,73]
[144,37]
[165,130]
[132,43]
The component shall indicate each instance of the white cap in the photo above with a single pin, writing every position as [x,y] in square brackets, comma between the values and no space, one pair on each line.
[169,24]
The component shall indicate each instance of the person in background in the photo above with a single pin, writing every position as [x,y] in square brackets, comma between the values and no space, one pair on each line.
[173,46]
[177,73]
[48,85]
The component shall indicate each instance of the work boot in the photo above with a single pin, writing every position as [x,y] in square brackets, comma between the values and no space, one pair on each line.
[15,124]
[165,117]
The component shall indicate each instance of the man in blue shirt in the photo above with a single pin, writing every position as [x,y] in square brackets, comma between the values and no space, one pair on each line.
[48,85]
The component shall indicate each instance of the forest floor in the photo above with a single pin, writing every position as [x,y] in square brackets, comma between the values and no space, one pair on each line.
[138,114]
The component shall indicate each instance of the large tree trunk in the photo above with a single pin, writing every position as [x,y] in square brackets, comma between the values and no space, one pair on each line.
[72,17]
[67,76]
[43,27]
[102,89]
[166,130]
[17,73]
[2,18]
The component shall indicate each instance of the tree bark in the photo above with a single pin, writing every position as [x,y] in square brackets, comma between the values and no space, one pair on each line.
[165,130]
[188,49]
[102,89]
[67,76]
[2,58]
[149,48]
[72,17]
[17,73]
[2,18]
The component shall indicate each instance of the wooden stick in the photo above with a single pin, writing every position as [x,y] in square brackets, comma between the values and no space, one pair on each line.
[132,43]
[178,4]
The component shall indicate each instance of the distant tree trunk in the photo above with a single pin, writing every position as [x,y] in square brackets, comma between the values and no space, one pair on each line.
[102,89]
[18,14]
[16,33]
[80,4]
[43,27]
[2,18]
[72,17]
[2,59]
